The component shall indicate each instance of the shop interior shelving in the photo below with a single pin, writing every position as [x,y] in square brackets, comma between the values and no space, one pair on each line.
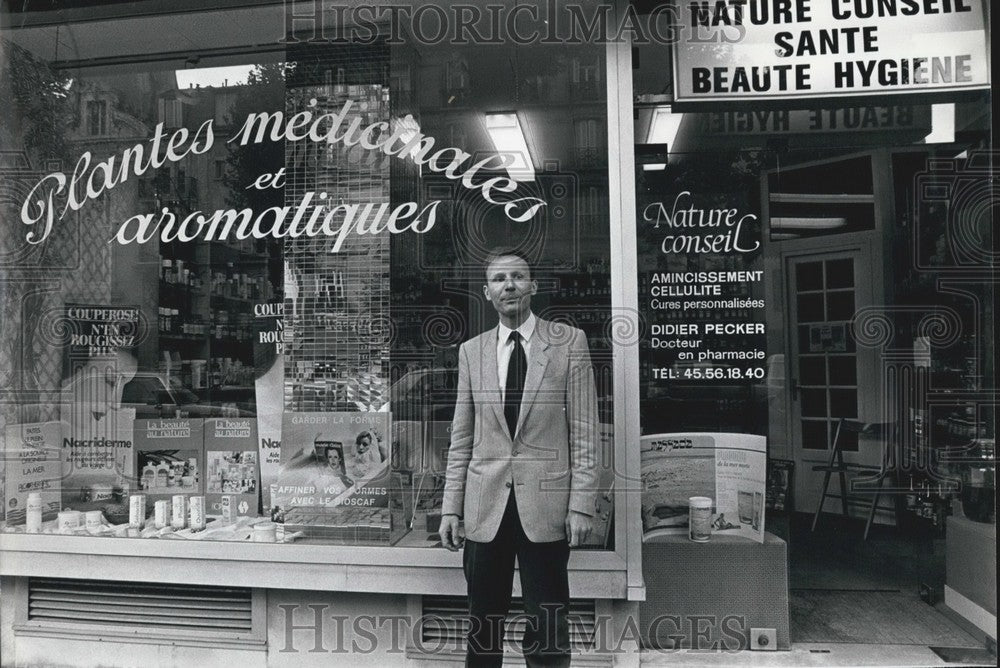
[207,292]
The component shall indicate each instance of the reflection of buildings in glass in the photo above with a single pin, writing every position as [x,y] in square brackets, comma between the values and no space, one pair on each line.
[456,83]
[203,341]
[560,111]
[558,102]
[101,115]
[335,360]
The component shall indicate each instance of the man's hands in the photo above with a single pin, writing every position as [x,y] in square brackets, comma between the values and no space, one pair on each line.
[578,528]
[451,533]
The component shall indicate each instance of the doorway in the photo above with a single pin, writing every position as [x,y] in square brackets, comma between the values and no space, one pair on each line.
[830,377]
[833,234]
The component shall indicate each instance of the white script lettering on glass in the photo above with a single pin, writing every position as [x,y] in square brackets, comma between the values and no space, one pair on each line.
[56,194]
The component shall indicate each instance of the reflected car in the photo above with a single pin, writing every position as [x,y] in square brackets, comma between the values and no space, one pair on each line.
[156,396]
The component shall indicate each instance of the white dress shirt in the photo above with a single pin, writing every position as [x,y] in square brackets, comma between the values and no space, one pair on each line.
[505,347]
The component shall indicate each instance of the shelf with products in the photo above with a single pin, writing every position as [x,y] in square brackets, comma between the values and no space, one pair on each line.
[174,324]
[232,325]
[228,282]
[181,291]
[223,301]
[207,293]
[180,324]
[181,275]
[583,286]
[182,339]
[590,288]
[246,252]
[180,249]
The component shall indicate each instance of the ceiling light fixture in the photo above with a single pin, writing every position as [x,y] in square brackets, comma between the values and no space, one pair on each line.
[664,126]
[942,124]
[508,138]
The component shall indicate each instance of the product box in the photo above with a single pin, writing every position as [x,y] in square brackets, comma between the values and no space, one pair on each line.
[98,458]
[32,454]
[232,466]
[170,458]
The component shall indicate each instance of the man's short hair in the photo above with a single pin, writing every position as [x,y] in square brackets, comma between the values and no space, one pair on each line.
[500,252]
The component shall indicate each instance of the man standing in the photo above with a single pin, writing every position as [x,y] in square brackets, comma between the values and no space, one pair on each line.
[521,467]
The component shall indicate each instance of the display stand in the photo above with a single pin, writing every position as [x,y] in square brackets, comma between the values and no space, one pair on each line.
[711,595]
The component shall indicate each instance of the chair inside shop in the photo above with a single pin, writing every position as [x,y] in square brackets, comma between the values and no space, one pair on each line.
[860,484]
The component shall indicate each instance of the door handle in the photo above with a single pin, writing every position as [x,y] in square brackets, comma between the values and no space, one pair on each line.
[795,389]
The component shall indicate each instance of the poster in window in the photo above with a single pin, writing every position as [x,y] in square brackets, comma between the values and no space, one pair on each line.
[33,464]
[730,469]
[334,480]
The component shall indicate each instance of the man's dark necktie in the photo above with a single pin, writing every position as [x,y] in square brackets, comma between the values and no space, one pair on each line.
[517,369]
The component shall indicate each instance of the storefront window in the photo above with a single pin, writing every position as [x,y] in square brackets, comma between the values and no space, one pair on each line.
[831,249]
[272,330]
[838,232]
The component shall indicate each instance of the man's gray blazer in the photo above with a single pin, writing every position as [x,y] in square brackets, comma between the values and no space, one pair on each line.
[551,464]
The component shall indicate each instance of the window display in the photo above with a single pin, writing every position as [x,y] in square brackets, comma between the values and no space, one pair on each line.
[295,255]
[838,257]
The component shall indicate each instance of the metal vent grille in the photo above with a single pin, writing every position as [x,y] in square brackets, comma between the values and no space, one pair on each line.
[140,605]
[445,622]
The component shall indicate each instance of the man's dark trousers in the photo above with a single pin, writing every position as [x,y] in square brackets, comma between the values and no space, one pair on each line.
[489,571]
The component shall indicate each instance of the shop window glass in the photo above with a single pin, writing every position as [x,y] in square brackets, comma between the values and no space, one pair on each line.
[839,274]
[814,435]
[810,307]
[142,391]
[843,370]
[97,117]
[848,439]
[268,358]
[839,305]
[814,403]
[813,371]
[436,279]
[844,403]
[809,276]
[839,205]
[828,198]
